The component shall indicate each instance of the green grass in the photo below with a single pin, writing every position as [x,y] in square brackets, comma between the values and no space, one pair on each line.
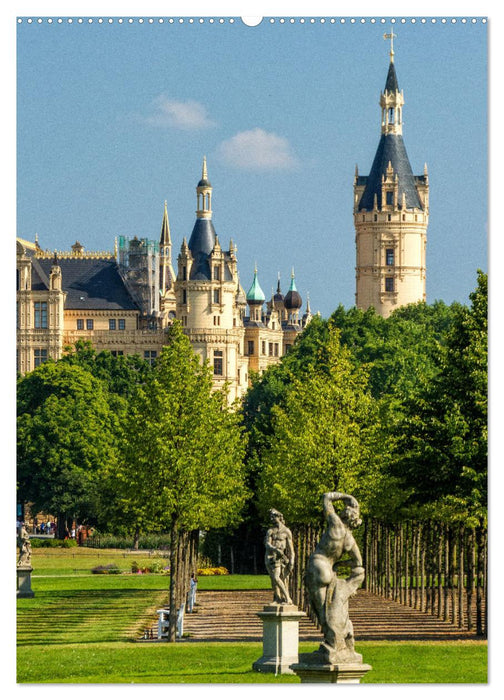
[64,566]
[186,662]
[81,628]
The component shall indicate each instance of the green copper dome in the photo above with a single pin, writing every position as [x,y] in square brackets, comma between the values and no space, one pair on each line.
[255,294]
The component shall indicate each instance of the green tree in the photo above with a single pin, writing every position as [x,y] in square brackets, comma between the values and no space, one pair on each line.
[121,374]
[443,438]
[322,437]
[65,437]
[181,452]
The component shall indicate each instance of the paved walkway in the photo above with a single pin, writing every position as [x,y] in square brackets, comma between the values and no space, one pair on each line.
[231,616]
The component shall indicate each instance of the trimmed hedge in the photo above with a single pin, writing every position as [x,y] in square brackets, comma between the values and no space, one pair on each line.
[52,542]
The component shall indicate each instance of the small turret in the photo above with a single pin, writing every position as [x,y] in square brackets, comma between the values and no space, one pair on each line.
[55,283]
[255,299]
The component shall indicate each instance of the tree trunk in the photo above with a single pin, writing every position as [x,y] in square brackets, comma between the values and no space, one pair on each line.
[440,572]
[460,582]
[136,538]
[61,528]
[471,570]
[172,632]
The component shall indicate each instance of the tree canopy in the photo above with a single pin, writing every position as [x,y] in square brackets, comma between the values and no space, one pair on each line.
[65,437]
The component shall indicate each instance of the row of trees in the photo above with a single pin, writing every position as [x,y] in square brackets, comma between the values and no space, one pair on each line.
[392,410]
[121,445]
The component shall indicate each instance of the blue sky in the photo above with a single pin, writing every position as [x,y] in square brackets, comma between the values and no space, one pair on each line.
[115,118]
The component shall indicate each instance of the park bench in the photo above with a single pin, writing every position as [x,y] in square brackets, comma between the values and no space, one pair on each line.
[164,622]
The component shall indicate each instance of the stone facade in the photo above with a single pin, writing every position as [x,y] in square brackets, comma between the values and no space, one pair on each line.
[124,302]
[391,215]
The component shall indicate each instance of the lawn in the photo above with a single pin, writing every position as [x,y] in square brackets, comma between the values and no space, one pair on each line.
[82,627]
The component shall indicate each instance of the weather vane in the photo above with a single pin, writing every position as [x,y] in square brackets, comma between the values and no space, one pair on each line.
[391,36]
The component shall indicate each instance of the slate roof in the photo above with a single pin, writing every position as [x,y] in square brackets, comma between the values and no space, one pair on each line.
[392,85]
[390,149]
[201,244]
[90,283]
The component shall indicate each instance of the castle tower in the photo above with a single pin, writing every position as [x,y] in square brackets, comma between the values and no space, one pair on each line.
[255,300]
[391,215]
[293,303]
[207,296]
[167,302]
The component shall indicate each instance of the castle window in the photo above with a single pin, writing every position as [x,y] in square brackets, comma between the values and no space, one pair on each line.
[389,217]
[122,324]
[217,362]
[216,272]
[276,349]
[184,296]
[389,284]
[111,324]
[39,356]
[80,324]
[40,309]
[390,198]
[391,115]
[250,347]
[150,356]
[264,347]
[89,324]
[216,320]
[184,273]
[216,296]
[389,257]
[117,353]
[375,218]
[363,217]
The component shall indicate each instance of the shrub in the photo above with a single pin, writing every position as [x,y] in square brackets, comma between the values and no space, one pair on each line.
[106,569]
[213,571]
[51,542]
[151,542]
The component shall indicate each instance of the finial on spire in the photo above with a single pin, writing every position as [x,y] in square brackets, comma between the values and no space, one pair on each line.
[204,174]
[391,36]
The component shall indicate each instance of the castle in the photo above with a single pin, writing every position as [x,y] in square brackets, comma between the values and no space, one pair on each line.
[391,214]
[124,301]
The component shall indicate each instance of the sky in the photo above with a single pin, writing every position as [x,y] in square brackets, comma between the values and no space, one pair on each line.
[115,118]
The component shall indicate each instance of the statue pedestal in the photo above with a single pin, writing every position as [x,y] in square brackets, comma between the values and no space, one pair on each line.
[312,672]
[280,638]
[24,582]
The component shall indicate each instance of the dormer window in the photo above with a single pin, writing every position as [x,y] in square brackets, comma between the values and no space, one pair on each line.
[390,198]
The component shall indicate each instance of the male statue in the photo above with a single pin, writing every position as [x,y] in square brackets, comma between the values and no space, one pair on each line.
[279,557]
[329,594]
[24,547]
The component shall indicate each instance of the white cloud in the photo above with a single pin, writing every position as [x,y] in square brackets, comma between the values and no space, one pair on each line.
[179,115]
[258,149]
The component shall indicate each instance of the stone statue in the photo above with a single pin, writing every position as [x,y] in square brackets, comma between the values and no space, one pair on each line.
[279,557]
[329,594]
[24,547]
